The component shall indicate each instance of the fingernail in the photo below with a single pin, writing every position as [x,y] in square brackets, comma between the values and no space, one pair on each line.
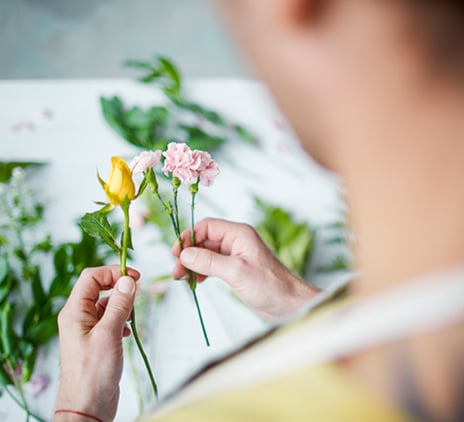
[188,256]
[125,285]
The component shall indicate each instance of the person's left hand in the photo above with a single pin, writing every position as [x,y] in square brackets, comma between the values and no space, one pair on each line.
[91,331]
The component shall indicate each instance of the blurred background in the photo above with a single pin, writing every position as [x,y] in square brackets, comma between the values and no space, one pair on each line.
[91,38]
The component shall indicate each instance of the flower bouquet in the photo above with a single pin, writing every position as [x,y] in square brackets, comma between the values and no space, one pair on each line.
[182,166]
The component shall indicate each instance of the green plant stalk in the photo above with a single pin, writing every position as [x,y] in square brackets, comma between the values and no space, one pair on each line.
[191,276]
[123,261]
[23,406]
[194,190]
[22,402]
[136,379]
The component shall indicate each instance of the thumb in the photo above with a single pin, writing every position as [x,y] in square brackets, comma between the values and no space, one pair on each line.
[204,261]
[120,304]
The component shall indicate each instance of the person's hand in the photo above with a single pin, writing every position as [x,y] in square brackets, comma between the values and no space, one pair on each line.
[91,331]
[236,254]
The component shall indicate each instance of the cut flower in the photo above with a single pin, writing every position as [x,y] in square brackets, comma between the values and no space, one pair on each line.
[120,184]
[189,166]
[144,161]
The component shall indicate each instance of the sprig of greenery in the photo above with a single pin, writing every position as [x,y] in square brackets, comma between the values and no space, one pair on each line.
[180,119]
[7,167]
[29,300]
[337,235]
[291,241]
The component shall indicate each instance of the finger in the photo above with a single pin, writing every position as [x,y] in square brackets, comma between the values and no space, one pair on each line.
[178,271]
[126,331]
[210,263]
[119,305]
[186,239]
[93,280]
[101,306]
[221,233]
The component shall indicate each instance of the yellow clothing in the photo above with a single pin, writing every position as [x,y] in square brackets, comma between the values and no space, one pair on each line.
[321,392]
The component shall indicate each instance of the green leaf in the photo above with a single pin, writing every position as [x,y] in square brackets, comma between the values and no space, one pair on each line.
[339,263]
[8,336]
[29,353]
[245,135]
[5,289]
[199,139]
[37,290]
[172,73]
[4,377]
[163,72]
[41,332]
[142,128]
[210,115]
[113,112]
[44,246]
[138,64]
[4,268]
[96,224]
[291,241]
[7,167]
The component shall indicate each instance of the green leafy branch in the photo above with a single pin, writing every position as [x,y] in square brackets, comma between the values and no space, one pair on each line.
[153,128]
[291,241]
[30,302]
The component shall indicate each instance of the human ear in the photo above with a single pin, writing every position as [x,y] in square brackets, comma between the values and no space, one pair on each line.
[299,13]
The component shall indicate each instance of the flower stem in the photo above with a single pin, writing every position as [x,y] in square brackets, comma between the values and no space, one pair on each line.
[125,239]
[130,352]
[19,388]
[194,190]
[201,317]
[123,259]
[142,353]
[23,406]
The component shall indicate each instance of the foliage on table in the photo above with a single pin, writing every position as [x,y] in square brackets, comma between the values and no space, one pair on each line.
[178,118]
[293,241]
[31,294]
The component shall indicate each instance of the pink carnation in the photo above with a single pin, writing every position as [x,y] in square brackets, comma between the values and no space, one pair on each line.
[144,161]
[207,168]
[180,163]
[188,165]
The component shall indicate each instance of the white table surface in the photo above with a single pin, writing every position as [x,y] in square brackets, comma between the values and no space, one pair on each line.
[76,140]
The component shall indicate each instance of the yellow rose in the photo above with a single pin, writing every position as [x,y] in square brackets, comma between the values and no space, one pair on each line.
[120,184]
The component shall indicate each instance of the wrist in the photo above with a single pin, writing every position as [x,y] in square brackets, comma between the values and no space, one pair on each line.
[298,293]
[79,410]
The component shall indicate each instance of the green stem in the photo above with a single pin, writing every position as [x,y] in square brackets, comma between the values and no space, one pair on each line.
[191,275]
[167,208]
[192,236]
[201,317]
[125,239]
[133,369]
[22,402]
[142,353]
[24,407]
[194,275]
[176,209]
[123,259]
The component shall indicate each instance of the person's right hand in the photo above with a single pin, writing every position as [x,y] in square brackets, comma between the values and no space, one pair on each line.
[236,254]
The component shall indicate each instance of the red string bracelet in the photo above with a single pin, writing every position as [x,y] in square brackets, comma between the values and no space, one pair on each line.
[74,412]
